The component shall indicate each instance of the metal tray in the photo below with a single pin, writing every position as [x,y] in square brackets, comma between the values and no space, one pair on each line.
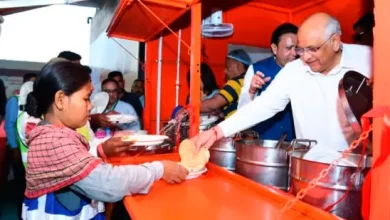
[165,147]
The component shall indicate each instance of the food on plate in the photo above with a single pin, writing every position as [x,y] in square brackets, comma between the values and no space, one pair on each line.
[128,138]
[192,161]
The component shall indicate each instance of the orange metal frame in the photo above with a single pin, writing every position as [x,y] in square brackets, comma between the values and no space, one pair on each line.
[380,188]
[123,5]
[196,22]
[380,191]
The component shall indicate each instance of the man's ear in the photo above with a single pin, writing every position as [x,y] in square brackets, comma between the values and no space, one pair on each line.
[336,42]
[274,48]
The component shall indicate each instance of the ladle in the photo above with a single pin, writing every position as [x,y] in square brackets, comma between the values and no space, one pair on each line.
[281,140]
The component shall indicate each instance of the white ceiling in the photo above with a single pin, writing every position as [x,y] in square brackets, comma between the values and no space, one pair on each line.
[8,7]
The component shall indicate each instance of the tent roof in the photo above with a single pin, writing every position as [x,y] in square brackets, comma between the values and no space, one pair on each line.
[134,22]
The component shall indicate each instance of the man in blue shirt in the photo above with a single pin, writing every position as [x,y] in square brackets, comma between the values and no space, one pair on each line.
[283,43]
[11,115]
[116,106]
[128,97]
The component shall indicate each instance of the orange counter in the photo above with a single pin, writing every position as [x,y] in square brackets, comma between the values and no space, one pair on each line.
[218,194]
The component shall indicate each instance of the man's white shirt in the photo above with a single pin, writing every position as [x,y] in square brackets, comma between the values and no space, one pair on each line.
[316,106]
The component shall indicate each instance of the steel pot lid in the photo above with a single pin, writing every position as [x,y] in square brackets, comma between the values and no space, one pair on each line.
[356,97]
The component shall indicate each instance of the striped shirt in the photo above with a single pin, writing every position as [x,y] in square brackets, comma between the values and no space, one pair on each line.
[231,92]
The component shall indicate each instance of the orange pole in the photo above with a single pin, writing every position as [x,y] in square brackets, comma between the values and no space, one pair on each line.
[380,190]
[196,22]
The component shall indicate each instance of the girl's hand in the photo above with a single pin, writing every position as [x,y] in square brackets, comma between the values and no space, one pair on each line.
[115,146]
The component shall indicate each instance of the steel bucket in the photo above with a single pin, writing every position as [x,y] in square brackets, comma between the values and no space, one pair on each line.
[223,154]
[331,188]
[260,161]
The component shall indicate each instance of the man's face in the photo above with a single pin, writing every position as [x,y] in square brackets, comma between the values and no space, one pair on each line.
[364,36]
[120,81]
[285,50]
[318,53]
[138,88]
[112,90]
[231,68]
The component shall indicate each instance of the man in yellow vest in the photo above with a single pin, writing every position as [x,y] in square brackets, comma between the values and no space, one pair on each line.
[24,121]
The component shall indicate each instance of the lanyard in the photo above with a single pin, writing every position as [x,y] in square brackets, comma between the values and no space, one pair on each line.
[113,107]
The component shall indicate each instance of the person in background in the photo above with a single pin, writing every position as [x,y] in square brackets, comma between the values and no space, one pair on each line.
[116,106]
[64,181]
[208,83]
[364,30]
[22,119]
[3,100]
[29,77]
[70,56]
[138,88]
[236,65]
[208,86]
[3,149]
[9,113]
[2,167]
[125,96]
[12,111]
[283,44]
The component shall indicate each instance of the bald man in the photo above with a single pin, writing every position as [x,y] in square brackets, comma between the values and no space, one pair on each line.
[310,84]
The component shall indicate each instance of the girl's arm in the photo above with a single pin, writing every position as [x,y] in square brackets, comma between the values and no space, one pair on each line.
[109,183]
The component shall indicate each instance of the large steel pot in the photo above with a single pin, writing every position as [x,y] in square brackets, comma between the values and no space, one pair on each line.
[223,154]
[261,161]
[331,188]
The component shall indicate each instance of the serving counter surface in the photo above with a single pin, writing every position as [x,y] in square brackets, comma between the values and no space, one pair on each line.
[217,194]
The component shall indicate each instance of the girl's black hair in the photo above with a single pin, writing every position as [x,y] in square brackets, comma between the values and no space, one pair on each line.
[207,77]
[3,100]
[65,76]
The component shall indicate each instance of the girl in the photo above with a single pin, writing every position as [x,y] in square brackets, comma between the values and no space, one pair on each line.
[62,177]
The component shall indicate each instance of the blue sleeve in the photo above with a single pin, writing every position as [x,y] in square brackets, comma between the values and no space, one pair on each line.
[11,116]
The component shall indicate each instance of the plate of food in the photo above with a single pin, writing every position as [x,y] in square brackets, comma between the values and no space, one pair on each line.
[195,163]
[144,140]
[122,118]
